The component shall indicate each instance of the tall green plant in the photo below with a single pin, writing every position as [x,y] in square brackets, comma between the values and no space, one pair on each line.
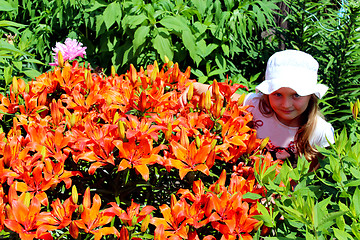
[16,58]
[330,32]
[215,38]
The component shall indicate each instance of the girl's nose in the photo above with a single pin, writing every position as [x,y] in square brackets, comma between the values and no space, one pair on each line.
[286,103]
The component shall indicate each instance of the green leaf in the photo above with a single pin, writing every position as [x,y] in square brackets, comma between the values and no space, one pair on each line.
[162,44]
[140,36]
[265,217]
[5,6]
[189,42]
[176,23]
[341,235]
[31,73]
[356,202]
[11,48]
[111,14]
[252,196]
[134,21]
[5,23]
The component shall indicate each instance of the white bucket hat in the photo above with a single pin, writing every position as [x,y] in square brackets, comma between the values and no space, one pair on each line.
[293,69]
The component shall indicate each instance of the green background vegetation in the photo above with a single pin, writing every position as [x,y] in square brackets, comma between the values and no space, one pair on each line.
[218,40]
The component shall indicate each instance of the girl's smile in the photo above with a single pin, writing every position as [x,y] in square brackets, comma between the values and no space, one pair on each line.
[288,106]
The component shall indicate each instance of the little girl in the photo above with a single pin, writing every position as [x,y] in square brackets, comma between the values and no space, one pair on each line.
[285,106]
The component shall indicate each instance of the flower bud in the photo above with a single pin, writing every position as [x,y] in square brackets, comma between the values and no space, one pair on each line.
[215,89]
[72,119]
[190,92]
[113,71]
[202,101]
[145,223]
[197,141]
[184,140]
[168,132]
[43,153]
[142,101]
[213,144]
[15,85]
[27,199]
[133,221]
[60,59]
[258,225]
[121,129]
[74,194]
[241,99]
[263,143]
[207,100]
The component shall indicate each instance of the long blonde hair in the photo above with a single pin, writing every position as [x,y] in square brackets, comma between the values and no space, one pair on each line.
[308,123]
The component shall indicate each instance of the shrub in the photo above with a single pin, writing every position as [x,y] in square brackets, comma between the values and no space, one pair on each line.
[108,155]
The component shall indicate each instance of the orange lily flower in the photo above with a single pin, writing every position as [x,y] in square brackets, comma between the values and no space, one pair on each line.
[132,213]
[92,220]
[174,221]
[192,159]
[21,217]
[137,156]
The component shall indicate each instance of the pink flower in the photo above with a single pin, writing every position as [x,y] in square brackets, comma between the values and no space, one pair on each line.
[70,50]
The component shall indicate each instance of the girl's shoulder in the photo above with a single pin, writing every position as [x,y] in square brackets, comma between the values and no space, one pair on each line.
[323,133]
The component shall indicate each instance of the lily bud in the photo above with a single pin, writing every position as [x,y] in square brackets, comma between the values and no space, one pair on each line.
[215,89]
[145,223]
[190,92]
[217,188]
[43,153]
[168,132]
[263,143]
[60,59]
[213,144]
[27,199]
[81,209]
[15,85]
[222,111]
[355,109]
[197,140]
[73,230]
[202,101]
[184,140]
[217,109]
[27,88]
[113,72]
[258,225]
[74,194]
[121,129]
[134,221]
[241,99]
[207,100]
[72,120]
[142,101]
[154,73]
[133,73]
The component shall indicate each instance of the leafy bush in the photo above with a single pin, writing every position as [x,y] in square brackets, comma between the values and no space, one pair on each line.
[90,154]
[329,32]
[217,38]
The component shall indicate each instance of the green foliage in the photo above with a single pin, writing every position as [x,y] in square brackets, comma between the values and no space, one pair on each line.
[15,47]
[321,204]
[331,34]
[217,38]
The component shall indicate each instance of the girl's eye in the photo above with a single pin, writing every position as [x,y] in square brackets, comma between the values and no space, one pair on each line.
[277,94]
[296,95]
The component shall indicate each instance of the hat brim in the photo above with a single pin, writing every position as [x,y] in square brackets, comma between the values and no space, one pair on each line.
[270,86]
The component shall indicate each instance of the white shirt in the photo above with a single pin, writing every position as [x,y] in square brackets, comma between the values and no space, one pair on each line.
[282,137]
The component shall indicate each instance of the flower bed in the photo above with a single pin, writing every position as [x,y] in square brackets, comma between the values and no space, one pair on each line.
[116,156]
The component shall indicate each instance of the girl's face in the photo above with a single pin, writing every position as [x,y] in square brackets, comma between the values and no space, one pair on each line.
[288,106]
